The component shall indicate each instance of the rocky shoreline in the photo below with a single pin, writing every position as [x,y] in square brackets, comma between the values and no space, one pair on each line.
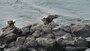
[45,37]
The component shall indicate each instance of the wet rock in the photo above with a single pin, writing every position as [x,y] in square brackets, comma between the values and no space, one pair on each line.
[59,33]
[37,33]
[51,36]
[46,29]
[81,30]
[76,28]
[8,38]
[72,43]
[46,42]
[65,28]
[17,31]
[12,44]
[69,40]
[26,30]
[35,28]
[20,41]
[30,42]
[65,39]
[81,42]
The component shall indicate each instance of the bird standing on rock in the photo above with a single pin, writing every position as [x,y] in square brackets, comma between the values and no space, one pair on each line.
[49,24]
[10,28]
[49,19]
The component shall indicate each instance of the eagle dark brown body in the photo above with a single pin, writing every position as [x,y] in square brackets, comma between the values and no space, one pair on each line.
[49,19]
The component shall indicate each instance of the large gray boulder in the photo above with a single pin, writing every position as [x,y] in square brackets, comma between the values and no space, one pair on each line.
[46,42]
[65,39]
[81,30]
[69,40]
[46,28]
[30,42]
[72,43]
[10,45]
[35,27]
[20,41]
[65,28]
[8,38]
[26,30]
[37,33]
[51,36]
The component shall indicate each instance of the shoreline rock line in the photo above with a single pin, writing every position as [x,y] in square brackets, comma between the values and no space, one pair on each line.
[48,36]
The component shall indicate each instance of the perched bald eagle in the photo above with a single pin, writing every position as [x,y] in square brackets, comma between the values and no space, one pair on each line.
[49,19]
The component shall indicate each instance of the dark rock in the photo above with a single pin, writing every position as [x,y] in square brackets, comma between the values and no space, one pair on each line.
[72,43]
[65,39]
[42,49]
[73,48]
[20,41]
[8,38]
[59,33]
[26,30]
[30,42]
[69,40]
[81,30]
[15,49]
[32,49]
[81,42]
[12,44]
[35,28]
[17,31]
[2,47]
[76,28]
[52,36]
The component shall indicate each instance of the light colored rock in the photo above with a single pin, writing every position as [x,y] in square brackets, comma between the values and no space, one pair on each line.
[46,42]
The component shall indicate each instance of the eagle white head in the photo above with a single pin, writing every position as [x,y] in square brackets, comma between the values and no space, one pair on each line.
[10,22]
[14,20]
